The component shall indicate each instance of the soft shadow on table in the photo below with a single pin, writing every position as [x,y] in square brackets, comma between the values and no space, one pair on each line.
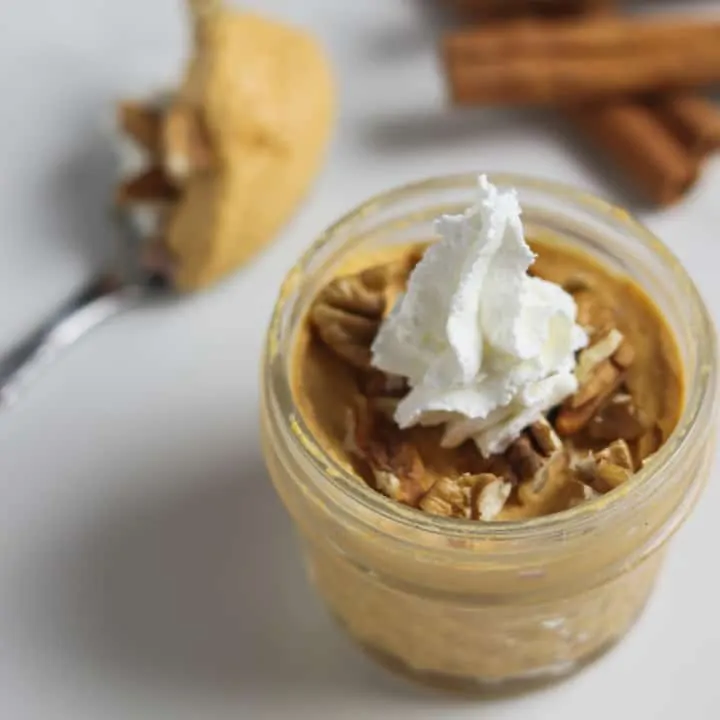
[401,134]
[78,192]
[204,591]
[616,185]
[75,224]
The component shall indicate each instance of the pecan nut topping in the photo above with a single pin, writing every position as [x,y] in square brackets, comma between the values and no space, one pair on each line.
[449,497]
[608,468]
[395,463]
[620,418]
[489,502]
[601,370]
[347,313]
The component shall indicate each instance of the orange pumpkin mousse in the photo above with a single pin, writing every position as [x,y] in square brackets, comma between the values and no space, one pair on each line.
[487,399]
[628,400]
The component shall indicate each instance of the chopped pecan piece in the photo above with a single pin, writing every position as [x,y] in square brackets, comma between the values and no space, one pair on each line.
[398,470]
[142,123]
[579,492]
[185,143]
[376,383]
[601,371]
[571,420]
[593,316]
[395,463]
[386,406]
[354,295]
[524,459]
[614,464]
[540,489]
[151,186]
[377,277]
[608,468]
[347,313]
[383,390]
[604,376]
[611,474]
[620,418]
[386,276]
[617,453]
[531,454]
[348,335]
[449,497]
[553,465]
[545,437]
[491,498]
[601,350]
[497,465]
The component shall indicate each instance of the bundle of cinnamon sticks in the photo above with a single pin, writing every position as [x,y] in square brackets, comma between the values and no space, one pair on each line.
[630,83]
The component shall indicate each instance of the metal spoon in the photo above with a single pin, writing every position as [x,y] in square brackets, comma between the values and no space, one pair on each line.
[104,297]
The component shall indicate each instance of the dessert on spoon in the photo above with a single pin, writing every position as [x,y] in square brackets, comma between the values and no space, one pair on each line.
[209,172]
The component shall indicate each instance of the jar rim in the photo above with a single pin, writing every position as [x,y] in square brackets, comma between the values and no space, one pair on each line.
[698,401]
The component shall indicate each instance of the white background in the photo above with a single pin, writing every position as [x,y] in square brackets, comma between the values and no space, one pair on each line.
[146,568]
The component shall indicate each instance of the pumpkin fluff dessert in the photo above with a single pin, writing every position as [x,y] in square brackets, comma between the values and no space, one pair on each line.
[493,379]
[213,170]
[485,428]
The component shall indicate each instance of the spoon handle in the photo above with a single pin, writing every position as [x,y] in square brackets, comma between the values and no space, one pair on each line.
[98,301]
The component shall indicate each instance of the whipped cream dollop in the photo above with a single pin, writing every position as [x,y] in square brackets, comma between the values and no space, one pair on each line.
[486,348]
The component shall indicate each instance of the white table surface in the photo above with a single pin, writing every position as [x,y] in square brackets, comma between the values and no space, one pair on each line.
[146,568]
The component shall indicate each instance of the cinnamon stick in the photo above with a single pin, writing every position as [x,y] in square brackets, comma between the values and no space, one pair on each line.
[630,133]
[658,143]
[663,171]
[693,119]
[555,81]
[599,35]
[557,62]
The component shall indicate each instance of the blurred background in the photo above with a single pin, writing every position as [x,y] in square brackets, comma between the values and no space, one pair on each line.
[146,569]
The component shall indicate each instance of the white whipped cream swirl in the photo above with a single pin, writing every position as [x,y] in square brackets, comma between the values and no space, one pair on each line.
[486,348]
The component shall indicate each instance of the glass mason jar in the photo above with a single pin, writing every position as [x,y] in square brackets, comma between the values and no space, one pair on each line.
[467,604]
